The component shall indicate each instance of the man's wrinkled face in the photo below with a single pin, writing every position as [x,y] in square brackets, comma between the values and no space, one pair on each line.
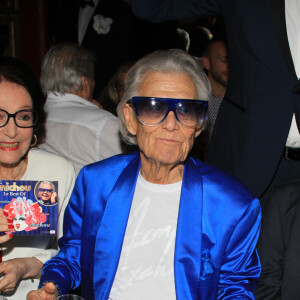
[169,142]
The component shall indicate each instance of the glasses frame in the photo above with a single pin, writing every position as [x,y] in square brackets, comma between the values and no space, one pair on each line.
[171,107]
[34,122]
[46,190]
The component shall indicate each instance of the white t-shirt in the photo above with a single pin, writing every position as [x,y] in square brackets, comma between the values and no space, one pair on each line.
[146,266]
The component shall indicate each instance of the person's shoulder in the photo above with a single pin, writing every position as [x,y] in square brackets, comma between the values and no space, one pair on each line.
[76,110]
[226,188]
[42,157]
[111,163]
[215,174]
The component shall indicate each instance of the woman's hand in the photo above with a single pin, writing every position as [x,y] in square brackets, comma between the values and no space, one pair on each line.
[47,292]
[16,269]
[6,225]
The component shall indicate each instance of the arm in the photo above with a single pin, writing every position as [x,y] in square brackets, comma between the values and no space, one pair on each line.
[17,269]
[241,268]
[164,10]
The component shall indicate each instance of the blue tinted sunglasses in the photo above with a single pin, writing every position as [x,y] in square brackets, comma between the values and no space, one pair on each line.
[45,190]
[152,111]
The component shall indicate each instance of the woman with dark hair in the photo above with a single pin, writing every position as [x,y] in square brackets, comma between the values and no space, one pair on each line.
[22,121]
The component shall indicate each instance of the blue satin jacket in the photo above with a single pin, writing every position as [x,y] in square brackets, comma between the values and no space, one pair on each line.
[218,227]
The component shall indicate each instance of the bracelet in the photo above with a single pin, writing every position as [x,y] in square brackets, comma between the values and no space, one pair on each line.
[57,287]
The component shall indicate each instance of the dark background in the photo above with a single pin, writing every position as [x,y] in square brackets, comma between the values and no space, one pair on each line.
[28,28]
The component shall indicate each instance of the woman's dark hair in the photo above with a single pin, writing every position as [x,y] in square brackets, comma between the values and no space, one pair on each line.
[16,71]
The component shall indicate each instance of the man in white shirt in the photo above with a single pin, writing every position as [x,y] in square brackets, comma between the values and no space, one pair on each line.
[76,127]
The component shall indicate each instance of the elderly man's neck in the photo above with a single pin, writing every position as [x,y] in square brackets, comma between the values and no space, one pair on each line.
[159,173]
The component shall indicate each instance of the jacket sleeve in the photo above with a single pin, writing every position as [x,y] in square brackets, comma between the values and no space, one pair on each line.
[64,268]
[164,10]
[241,267]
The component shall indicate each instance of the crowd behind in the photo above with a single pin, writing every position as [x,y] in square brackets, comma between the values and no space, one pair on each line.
[143,209]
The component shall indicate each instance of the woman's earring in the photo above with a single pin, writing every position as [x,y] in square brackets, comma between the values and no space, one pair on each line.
[35,141]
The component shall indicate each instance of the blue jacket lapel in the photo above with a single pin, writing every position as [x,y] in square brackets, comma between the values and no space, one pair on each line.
[187,261]
[108,245]
[110,235]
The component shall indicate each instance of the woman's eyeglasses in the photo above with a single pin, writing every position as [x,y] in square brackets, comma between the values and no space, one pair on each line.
[25,118]
[152,111]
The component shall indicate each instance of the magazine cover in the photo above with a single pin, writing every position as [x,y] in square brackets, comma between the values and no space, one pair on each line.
[32,205]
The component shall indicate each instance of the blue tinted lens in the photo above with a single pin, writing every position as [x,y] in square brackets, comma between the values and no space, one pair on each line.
[151,111]
[190,114]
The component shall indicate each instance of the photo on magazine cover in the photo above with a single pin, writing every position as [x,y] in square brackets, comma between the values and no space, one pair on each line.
[32,205]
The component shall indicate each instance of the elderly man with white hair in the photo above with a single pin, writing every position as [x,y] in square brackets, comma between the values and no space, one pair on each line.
[157,223]
[76,127]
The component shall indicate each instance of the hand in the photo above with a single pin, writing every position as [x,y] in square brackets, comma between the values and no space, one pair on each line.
[47,292]
[6,225]
[97,103]
[16,269]
[53,197]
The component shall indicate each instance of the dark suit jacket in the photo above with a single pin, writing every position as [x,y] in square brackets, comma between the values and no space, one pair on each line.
[129,39]
[255,116]
[279,245]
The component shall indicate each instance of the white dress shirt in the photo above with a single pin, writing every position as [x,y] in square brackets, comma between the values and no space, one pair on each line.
[80,130]
[292,11]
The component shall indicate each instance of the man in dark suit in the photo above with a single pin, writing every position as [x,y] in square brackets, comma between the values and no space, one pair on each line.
[253,138]
[279,245]
[127,37]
